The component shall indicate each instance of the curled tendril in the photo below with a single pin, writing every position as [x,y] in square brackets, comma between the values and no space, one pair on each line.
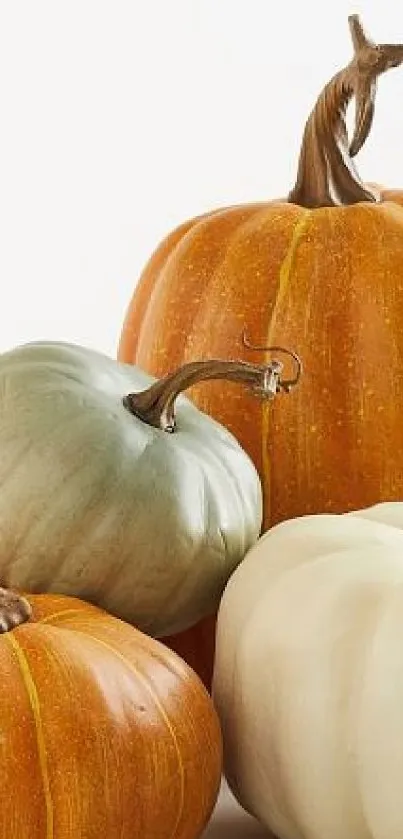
[282,384]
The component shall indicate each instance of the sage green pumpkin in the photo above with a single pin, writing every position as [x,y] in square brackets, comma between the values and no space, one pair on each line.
[98,504]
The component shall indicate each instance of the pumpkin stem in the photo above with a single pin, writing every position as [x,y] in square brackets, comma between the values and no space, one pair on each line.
[327,176]
[14,609]
[156,405]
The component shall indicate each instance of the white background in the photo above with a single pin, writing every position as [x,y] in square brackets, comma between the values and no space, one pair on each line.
[120,119]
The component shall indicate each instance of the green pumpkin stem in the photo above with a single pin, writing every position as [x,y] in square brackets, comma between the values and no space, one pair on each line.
[156,405]
[327,176]
[14,610]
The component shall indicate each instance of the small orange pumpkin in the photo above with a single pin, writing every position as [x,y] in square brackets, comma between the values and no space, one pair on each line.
[321,272]
[104,731]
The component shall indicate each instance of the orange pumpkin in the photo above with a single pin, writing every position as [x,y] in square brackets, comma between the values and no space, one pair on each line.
[104,731]
[321,272]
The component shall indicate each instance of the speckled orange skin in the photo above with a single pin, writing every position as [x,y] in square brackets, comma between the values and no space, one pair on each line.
[104,732]
[328,284]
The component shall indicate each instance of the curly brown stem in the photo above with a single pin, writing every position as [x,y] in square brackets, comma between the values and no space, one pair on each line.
[156,405]
[327,176]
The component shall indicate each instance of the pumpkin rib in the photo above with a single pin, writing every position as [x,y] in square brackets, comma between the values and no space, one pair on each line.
[142,679]
[33,697]
[284,279]
[133,326]
[71,476]
[193,289]
[151,278]
[254,216]
[56,615]
[286,268]
[204,300]
[226,294]
[144,289]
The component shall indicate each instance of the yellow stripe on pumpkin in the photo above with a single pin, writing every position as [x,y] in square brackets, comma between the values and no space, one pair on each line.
[283,286]
[62,614]
[36,713]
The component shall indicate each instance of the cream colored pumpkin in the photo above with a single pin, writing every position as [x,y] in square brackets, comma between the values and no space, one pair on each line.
[308,677]
[96,503]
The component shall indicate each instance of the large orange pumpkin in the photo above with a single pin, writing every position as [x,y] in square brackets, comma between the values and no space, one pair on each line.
[104,731]
[321,272]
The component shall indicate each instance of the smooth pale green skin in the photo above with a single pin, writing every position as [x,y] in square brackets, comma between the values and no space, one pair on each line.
[97,504]
[308,677]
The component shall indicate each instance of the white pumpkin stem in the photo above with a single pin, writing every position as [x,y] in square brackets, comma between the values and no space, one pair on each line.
[327,176]
[156,405]
[14,609]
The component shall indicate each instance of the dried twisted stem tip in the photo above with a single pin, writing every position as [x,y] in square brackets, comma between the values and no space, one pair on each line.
[156,405]
[327,176]
[369,62]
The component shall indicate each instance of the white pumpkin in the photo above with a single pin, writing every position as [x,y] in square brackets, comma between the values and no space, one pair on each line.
[308,677]
[99,504]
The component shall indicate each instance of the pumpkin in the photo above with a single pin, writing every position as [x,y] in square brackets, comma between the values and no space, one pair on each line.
[99,501]
[308,678]
[104,731]
[321,271]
